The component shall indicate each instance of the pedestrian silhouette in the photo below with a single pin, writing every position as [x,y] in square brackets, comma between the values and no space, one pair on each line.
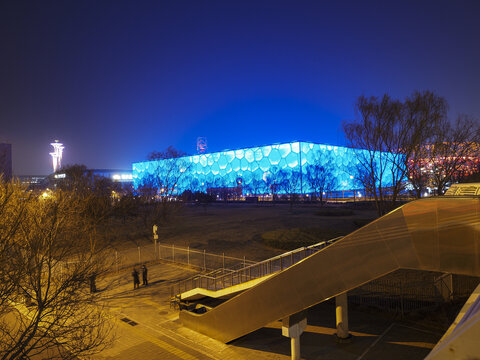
[136,279]
[144,275]
[93,287]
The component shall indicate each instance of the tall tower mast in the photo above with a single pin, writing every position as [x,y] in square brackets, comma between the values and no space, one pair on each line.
[57,155]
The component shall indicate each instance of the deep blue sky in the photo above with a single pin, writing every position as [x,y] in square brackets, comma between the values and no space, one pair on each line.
[114,80]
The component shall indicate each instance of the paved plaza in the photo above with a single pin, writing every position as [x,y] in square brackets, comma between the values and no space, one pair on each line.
[147,327]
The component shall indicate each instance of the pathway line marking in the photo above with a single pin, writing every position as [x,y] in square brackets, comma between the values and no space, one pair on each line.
[437,333]
[164,345]
[375,342]
[172,335]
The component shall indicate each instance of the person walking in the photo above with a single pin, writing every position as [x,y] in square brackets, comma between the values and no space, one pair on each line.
[144,275]
[93,287]
[136,279]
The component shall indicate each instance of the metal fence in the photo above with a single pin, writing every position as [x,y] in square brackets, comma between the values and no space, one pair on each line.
[198,259]
[406,291]
[403,291]
[229,276]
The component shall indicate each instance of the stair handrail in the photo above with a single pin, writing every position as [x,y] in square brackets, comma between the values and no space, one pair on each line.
[194,280]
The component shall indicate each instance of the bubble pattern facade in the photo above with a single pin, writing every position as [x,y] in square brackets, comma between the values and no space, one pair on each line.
[228,168]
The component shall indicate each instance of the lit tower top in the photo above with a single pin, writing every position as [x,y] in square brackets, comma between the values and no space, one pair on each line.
[202,145]
[57,155]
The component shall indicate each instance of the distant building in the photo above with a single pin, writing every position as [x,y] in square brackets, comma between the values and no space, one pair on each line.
[6,161]
[257,167]
[431,161]
[120,176]
[33,181]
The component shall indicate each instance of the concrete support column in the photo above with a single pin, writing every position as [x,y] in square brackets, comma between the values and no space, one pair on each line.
[341,309]
[293,327]
[295,347]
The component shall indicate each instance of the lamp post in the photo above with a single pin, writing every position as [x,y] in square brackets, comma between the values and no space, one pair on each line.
[155,238]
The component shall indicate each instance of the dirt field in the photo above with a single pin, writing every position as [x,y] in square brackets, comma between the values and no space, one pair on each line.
[235,228]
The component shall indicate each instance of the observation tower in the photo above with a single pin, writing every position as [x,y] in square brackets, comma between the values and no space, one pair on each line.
[57,155]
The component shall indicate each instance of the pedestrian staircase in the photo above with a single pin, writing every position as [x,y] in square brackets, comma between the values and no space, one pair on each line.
[226,282]
[431,234]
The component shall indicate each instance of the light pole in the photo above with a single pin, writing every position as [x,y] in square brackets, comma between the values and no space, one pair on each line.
[155,238]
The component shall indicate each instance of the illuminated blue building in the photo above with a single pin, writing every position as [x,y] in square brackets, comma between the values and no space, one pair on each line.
[258,168]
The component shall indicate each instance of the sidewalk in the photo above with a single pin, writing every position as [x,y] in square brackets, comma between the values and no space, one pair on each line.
[147,328]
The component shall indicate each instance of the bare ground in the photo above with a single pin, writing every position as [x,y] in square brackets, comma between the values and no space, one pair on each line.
[235,228]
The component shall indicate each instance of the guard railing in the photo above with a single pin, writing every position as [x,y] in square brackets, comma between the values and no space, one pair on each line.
[227,277]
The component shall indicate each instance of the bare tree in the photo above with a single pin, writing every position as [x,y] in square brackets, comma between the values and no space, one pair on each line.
[14,202]
[368,136]
[362,178]
[423,114]
[222,188]
[289,183]
[388,135]
[473,174]
[169,169]
[146,193]
[257,187]
[272,181]
[127,206]
[49,313]
[319,176]
[419,174]
[453,150]
[94,193]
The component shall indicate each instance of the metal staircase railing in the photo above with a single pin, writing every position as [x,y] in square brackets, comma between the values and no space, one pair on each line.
[223,278]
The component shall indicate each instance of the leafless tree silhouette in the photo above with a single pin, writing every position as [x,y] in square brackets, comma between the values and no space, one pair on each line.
[46,261]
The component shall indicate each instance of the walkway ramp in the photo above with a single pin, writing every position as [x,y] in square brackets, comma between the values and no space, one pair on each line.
[223,292]
[433,234]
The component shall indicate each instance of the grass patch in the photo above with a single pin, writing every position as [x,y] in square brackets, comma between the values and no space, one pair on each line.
[334,212]
[289,239]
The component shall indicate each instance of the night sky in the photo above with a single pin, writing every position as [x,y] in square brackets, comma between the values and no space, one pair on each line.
[114,80]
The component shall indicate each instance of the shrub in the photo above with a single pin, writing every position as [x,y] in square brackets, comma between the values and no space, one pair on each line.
[289,239]
[334,212]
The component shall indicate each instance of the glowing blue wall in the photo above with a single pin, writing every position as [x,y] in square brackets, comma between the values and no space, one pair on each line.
[223,169]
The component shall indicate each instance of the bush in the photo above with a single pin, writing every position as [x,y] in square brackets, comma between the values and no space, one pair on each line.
[289,239]
[334,212]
